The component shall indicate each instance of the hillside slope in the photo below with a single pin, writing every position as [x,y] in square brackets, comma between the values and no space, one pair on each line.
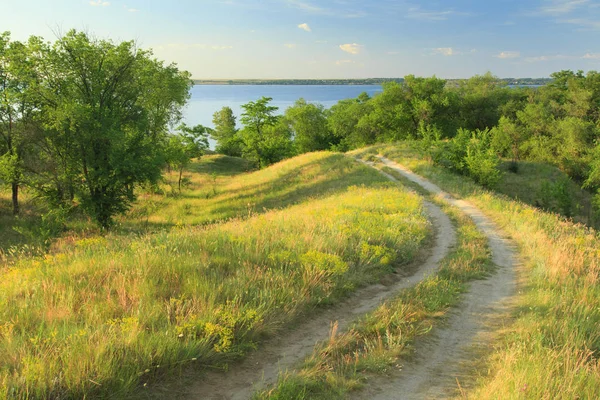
[107,314]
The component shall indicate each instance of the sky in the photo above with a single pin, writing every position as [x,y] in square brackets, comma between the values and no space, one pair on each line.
[278,39]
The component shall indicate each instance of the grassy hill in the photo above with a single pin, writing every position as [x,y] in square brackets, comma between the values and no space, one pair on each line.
[234,258]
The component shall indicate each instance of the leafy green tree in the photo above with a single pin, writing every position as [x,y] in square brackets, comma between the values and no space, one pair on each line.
[343,122]
[226,133]
[187,143]
[507,139]
[266,140]
[480,98]
[105,109]
[308,123]
[429,104]
[16,114]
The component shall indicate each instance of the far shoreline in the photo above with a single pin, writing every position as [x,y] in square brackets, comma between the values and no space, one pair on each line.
[347,82]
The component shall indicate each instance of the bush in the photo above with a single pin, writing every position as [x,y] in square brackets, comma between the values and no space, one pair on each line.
[481,161]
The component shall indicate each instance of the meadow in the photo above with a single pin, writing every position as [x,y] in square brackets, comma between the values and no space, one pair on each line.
[202,277]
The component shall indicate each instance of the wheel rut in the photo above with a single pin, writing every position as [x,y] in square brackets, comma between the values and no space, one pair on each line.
[262,367]
[446,358]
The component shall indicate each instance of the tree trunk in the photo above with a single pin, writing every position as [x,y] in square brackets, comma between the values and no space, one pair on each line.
[15,198]
[179,182]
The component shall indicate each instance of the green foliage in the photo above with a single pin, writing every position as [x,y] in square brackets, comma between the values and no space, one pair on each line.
[185,144]
[557,197]
[481,162]
[308,124]
[225,133]
[104,109]
[266,138]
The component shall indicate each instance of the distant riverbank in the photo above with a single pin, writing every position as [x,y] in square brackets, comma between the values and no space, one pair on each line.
[349,82]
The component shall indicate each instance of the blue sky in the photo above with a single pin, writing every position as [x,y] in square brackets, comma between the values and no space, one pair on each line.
[334,38]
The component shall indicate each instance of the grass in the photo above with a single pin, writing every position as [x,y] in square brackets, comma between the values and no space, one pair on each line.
[378,342]
[551,351]
[102,316]
[531,183]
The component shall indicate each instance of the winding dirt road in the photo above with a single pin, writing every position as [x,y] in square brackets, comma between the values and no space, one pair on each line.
[442,361]
[262,367]
[439,362]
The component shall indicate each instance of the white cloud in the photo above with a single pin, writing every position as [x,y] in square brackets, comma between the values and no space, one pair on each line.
[290,45]
[547,58]
[560,7]
[445,51]
[305,27]
[133,10]
[99,3]
[583,22]
[352,48]
[508,54]
[342,62]
[592,56]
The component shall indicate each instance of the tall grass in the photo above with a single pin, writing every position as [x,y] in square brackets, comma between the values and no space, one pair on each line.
[106,315]
[551,351]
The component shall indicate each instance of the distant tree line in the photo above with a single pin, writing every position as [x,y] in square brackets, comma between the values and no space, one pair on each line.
[84,121]
[466,125]
[365,81]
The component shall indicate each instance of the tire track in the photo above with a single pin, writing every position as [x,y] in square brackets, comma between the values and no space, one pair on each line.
[442,361]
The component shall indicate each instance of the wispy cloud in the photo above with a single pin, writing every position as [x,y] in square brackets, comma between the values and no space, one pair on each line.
[561,7]
[305,27]
[352,48]
[508,54]
[342,10]
[547,58]
[445,51]
[342,62]
[100,3]
[290,45]
[591,56]
[433,15]
[582,22]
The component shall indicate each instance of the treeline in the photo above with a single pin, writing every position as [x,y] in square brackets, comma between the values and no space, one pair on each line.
[468,126]
[84,121]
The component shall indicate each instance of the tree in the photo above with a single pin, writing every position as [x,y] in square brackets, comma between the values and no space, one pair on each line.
[187,143]
[263,134]
[480,98]
[16,114]
[105,109]
[343,121]
[225,133]
[308,124]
